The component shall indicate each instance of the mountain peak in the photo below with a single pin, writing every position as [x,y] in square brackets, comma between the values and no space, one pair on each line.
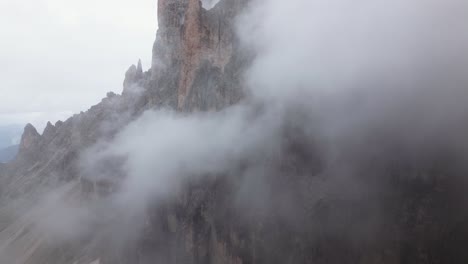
[30,131]
[30,138]
[139,67]
[49,131]
[193,52]
[133,75]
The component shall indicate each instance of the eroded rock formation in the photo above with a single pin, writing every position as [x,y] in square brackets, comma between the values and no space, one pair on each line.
[30,139]
[198,52]
[198,64]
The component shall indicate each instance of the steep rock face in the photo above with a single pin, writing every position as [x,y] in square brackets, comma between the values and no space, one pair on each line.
[197,52]
[133,75]
[198,65]
[49,131]
[30,140]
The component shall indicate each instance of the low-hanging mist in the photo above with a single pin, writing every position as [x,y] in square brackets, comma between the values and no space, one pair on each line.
[349,110]
[366,82]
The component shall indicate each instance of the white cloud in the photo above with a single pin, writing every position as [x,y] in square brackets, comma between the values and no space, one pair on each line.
[63,56]
[208,4]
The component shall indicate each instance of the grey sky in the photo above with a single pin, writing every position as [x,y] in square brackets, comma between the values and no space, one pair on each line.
[58,57]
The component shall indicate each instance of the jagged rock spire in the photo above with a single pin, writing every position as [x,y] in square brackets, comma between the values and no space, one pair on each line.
[171,12]
[30,138]
[132,76]
[58,124]
[49,131]
[139,68]
[30,131]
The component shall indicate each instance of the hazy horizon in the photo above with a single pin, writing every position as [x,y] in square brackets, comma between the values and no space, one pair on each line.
[61,57]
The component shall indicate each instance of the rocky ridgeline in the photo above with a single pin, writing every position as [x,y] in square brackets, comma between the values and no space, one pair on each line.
[197,59]
[198,64]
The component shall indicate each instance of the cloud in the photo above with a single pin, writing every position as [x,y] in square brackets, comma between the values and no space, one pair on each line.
[66,55]
[208,4]
[364,66]
[163,149]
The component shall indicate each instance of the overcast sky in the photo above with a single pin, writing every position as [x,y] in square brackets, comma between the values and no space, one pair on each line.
[59,57]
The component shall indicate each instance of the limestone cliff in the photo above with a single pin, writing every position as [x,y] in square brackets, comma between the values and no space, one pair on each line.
[30,139]
[198,65]
[197,60]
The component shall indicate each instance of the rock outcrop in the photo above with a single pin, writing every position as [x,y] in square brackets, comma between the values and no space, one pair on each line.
[30,140]
[132,77]
[197,51]
[197,65]
[49,132]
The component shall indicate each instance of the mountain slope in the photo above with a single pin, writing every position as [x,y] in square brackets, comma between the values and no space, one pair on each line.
[46,162]
[187,166]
